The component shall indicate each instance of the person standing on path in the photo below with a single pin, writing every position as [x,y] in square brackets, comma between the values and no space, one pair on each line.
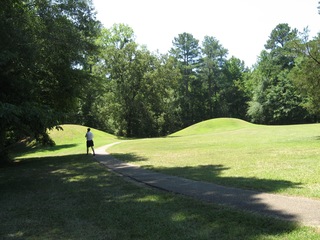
[89,137]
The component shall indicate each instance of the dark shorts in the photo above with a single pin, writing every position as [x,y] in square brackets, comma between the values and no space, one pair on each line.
[90,143]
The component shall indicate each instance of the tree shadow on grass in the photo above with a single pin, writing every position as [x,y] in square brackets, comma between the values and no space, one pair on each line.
[207,183]
[129,157]
[213,173]
[23,149]
[73,197]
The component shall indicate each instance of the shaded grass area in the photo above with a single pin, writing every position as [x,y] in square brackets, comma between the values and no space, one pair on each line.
[277,159]
[73,197]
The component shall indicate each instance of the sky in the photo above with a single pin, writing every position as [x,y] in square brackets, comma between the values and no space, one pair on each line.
[241,26]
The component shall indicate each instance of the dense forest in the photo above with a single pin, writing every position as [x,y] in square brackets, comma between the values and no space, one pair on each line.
[58,64]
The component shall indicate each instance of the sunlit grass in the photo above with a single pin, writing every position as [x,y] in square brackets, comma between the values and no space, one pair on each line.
[279,159]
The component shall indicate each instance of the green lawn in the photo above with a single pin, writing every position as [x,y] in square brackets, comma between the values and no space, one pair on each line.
[61,193]
[278,159]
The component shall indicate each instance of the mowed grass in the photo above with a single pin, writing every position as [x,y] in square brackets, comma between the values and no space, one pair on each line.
[62,193]
[231,152]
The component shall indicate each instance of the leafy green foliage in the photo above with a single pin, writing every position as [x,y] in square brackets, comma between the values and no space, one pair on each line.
[276,99]
[214,58]
[138,86]
[45,46]
[186,51]
[144,94]
[306,71]
[232,91]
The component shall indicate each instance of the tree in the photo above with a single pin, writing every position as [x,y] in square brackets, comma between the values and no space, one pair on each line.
[279,47]
[233,92]
[44,50]
[213,61]
[186,51]
[306,72]
[276,100]
[137,86]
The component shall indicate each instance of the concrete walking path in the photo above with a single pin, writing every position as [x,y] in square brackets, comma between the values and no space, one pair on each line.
[297,209]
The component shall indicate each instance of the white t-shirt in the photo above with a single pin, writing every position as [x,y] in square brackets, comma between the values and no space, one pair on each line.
[89,136]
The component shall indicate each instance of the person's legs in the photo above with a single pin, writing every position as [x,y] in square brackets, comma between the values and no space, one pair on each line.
[87,147]
[90,145]
[93,151]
